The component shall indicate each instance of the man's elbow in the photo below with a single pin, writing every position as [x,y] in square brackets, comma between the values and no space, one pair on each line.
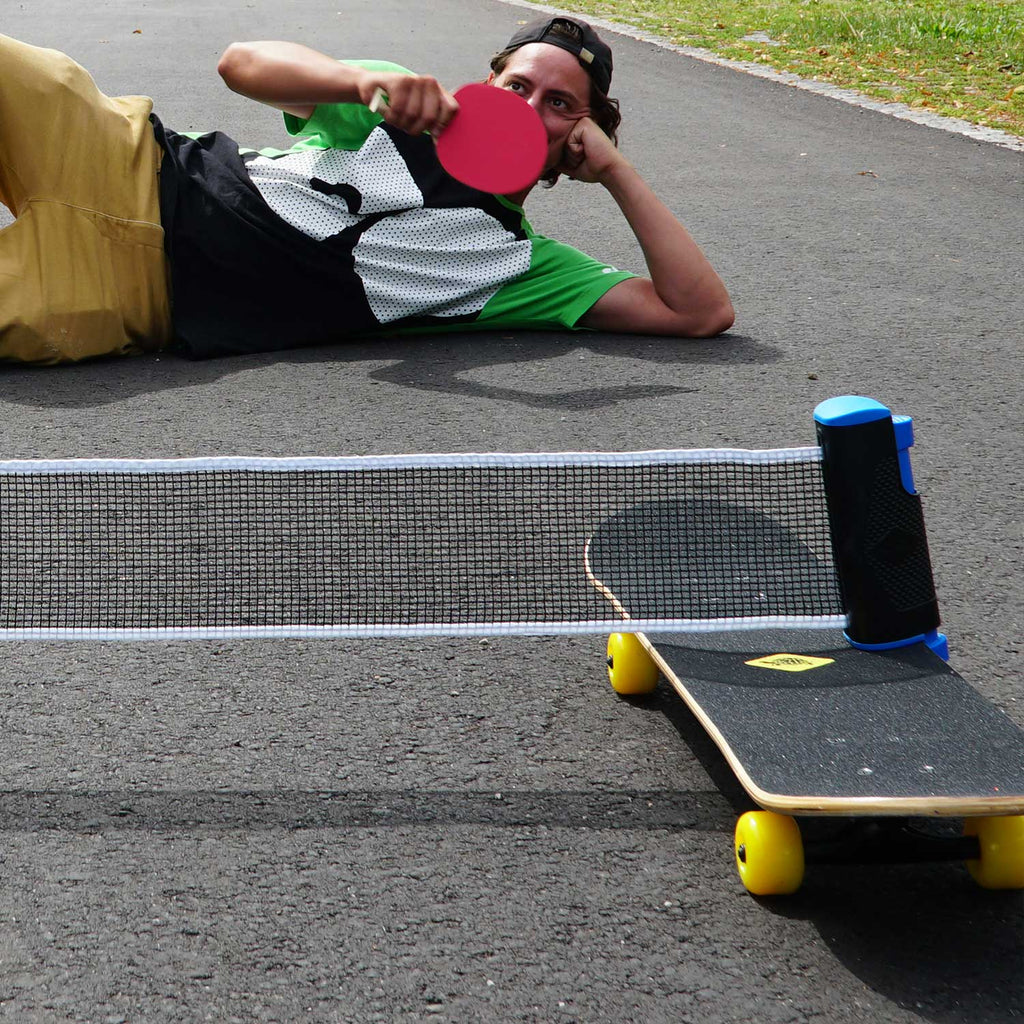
[713,321]
[233,64]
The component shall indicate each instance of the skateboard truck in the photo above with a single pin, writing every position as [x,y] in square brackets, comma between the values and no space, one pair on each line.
[883,841]
[889,841]
[771,851]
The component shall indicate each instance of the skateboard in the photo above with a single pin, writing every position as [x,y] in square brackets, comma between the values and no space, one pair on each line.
[885,742]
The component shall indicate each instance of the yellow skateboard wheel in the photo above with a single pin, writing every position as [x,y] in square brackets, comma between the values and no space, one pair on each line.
[769,853]
[1001,863]
[631,670]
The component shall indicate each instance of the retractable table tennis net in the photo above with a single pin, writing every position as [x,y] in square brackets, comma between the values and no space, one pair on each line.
[408,545]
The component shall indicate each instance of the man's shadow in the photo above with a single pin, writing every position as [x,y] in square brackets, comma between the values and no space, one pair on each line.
[436,363]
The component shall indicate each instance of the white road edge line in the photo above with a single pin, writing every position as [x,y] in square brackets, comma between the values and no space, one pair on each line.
[850,96]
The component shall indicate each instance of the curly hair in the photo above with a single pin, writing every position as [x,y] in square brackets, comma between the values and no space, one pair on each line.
[604,111]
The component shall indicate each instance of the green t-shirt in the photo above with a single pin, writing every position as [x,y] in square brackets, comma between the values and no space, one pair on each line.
[432,254]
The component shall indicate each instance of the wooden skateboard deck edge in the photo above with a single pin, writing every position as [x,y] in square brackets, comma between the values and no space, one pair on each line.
[810,805]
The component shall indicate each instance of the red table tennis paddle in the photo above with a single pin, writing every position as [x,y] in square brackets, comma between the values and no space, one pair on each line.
[494,143]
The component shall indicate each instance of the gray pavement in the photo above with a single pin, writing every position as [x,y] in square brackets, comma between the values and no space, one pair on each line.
[480,830]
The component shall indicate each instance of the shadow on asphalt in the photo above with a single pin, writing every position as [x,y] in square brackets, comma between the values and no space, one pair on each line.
[424,363]
[218,810]
[924,936]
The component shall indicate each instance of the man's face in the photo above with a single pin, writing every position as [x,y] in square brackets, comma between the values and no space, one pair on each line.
[552,81]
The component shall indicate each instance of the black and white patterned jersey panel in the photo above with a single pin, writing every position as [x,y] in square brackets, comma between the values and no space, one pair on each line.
[445,262]
[421,244]
[323,191]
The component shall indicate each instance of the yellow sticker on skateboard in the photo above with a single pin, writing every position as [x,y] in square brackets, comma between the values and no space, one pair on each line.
[789,662]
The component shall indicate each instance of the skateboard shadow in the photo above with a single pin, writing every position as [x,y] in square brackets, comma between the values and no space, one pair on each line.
[926,937]
[700,744]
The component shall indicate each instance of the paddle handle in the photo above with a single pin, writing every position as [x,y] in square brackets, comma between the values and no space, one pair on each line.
[378,101]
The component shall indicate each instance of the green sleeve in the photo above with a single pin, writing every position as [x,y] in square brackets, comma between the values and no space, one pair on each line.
[560,286]
[340,125]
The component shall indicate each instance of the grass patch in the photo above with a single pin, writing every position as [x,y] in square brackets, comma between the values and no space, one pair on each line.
[963,59]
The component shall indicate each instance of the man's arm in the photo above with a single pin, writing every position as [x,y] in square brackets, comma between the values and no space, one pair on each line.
[684,296]
[295,78]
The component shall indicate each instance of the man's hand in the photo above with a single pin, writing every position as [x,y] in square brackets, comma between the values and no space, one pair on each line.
[294,78]
[683,295]
[414,103]
[589,154]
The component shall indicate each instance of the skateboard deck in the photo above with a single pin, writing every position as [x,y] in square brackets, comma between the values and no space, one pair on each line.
[811,725]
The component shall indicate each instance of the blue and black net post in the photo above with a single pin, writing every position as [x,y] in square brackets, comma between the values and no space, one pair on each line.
[877,524]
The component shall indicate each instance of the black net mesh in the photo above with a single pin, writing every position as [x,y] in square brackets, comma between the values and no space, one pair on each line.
[443,549]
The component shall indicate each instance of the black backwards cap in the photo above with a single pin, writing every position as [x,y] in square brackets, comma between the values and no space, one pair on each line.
[575,36]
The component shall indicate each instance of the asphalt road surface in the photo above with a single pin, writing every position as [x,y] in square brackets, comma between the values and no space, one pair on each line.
[467,830]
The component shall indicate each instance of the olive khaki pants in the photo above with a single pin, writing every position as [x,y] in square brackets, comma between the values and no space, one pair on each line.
[82,268]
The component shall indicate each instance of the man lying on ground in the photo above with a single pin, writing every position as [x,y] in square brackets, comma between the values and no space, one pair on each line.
[130,236]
